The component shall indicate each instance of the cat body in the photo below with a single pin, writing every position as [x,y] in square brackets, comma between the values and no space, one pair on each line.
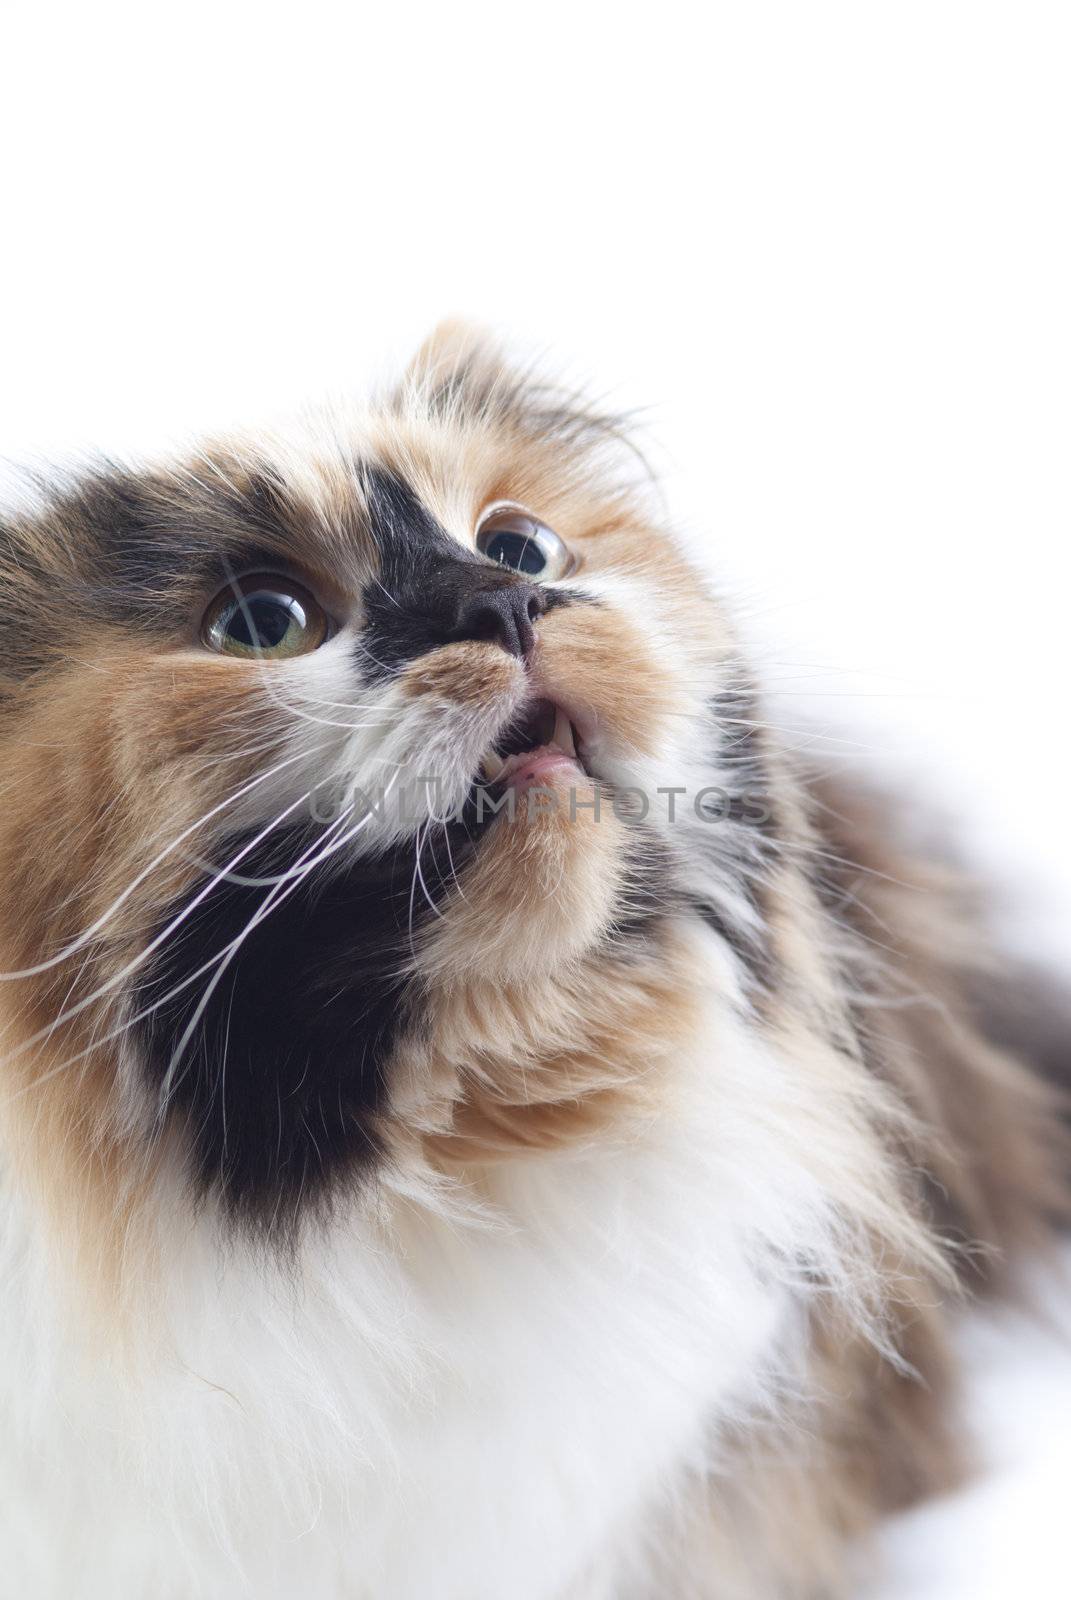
[479,1118]
[483,1402]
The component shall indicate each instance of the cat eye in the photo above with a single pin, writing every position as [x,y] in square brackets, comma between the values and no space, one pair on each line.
[513,537]
[264,615]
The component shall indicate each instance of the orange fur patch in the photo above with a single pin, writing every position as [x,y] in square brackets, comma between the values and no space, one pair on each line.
[591,657]
[466,673]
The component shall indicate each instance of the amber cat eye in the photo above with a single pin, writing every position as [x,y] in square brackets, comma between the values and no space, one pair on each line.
[265,615]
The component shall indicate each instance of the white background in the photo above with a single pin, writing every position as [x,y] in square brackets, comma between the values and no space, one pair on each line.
[827,247]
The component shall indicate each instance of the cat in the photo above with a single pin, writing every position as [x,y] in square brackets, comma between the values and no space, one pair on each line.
[479,1118]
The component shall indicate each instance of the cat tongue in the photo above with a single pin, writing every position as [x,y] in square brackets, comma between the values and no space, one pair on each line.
[527,768]
[522,772]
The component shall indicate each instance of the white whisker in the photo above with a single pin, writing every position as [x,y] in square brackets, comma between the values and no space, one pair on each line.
[101,922]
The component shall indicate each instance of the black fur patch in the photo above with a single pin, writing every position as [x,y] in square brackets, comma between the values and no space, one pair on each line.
[650,893]
[736,713]
[411,604]
[285,1074]
[745,808]
[751,949]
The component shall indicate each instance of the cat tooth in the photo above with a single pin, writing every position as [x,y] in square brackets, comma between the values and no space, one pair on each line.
[493,766]
[563,733]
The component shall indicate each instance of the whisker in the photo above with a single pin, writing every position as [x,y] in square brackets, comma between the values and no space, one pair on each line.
[155,943]
[139,1016]
[274,897]
[96,927]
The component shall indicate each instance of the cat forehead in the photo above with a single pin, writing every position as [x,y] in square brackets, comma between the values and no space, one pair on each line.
[333,492]
[191,522]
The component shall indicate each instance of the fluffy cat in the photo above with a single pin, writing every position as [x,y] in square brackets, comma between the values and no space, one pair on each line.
[478,1118]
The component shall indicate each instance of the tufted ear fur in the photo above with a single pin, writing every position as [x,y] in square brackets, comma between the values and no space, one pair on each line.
[459,366]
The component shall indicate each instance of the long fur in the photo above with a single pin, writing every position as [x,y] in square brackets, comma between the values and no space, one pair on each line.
[569,1205]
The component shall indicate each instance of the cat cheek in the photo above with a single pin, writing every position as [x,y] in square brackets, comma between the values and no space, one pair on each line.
[545,886]
[593,656]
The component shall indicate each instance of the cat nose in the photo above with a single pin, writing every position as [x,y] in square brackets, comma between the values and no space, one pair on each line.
[503,614]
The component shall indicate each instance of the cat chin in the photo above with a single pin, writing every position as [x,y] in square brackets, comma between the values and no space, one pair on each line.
[545,883]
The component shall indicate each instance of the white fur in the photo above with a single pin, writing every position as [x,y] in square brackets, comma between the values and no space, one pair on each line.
[452,1394]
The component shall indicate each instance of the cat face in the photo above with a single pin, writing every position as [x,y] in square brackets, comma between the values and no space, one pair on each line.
[363,787]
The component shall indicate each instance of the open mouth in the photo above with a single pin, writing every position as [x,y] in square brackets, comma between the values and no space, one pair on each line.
[541,738]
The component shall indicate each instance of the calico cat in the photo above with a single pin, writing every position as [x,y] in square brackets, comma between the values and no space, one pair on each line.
[478,1118]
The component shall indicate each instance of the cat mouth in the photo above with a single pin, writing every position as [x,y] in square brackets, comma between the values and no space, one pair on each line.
[537,742]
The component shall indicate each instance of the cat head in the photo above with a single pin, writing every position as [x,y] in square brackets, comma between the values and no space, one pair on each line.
[363,785]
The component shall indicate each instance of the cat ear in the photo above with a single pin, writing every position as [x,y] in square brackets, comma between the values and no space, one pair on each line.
[458,365]
[464,374]
[452,345]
